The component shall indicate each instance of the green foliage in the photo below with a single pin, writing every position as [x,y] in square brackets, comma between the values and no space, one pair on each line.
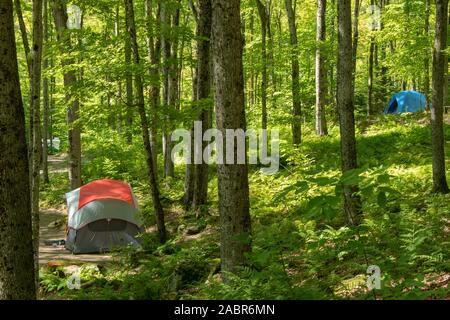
[52,280]
[302,246]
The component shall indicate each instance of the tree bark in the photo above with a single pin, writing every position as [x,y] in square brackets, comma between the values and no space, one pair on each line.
[159,212]
[252,89]
[295,73]
[153,48]
[227,47]
[445,97]
[166,45]
[190,167]
[17,277]
[321,81]
[426,83]
[370,109]
[70,79]
[440,45]
[118,97]
[28,58]
[24,33]
[203,94]
[351,203]
[129,90]
[355,35]
[35,103]
[45,95]
[263,16]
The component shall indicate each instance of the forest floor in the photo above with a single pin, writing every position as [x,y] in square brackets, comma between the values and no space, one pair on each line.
[302,247]
[52,227]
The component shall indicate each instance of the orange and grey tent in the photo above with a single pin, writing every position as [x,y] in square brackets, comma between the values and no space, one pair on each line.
[103,215]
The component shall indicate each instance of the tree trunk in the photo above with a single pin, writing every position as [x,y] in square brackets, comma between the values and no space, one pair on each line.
[264,20]
[24,33]
[60,16]
[35,103]
[46,97]
[28,58]
[190,168]
[445,97]
[173,92]
[129,90]
[355,35]
[440,45]
[426,83]
[295,72]
[235,222]
[321,81]
[118,98]
[153,48]
[166,21]
[17,277]
[351,203]
[370,109]
[131,28]
[251,98]
[270,60]
[203,94]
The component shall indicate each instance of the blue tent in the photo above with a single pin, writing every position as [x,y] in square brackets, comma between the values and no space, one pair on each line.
[406,101]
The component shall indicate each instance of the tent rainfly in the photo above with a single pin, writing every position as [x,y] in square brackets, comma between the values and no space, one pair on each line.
[407,101]
[103,215]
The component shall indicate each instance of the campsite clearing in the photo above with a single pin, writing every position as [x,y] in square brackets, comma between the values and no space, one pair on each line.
[51,229]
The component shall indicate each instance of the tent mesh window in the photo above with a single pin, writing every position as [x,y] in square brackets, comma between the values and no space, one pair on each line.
[105,225]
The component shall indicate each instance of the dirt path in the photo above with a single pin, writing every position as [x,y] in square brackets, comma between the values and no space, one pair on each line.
[52,227]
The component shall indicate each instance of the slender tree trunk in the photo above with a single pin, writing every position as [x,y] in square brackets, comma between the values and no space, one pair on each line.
[173,92]
[153,48]
[440,45]
[251,98]
[131,28]
[35,103]
[52,98]
[118,99]
[355,35]
[60,16]
[166,21]
[28,58]
[235,222]
[295,72]
[45,95]
[270,59]
[321,81]
[370,109]
[129,90]
[263,17]
[351,203]
[383,92]
[203,94]
[426,83]
[190,168]
[17,276]
[24,33]
[445,98]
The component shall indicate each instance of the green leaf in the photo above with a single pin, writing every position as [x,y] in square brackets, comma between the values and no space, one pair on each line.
[323,181]
[382,199]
